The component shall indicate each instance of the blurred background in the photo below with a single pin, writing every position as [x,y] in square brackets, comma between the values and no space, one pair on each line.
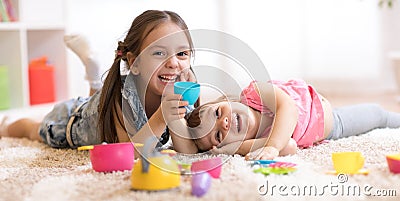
[349,50]
[345,46]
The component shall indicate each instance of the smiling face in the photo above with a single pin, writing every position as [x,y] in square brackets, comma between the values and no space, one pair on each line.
[225,122]
[165,54]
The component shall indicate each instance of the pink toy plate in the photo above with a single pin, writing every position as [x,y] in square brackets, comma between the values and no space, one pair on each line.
[213,166]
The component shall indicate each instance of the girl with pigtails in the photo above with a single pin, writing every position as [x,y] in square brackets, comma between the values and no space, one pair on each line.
[124,107]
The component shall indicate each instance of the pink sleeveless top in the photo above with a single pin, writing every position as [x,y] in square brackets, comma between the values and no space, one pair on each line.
[310,124]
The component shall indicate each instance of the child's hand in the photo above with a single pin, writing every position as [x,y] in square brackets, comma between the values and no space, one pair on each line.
[172,108]
[264,153]
[187,75]
[229,149]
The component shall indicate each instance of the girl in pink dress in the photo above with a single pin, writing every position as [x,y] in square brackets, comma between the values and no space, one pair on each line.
[274,118]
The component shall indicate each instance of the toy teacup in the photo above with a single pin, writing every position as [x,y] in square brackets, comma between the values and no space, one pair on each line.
[212,165]
[190,91]
[393,161]
[347,162]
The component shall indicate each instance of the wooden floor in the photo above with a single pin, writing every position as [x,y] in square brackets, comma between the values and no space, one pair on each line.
[388,100]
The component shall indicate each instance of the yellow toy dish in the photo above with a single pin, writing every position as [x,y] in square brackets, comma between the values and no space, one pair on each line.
[163,173]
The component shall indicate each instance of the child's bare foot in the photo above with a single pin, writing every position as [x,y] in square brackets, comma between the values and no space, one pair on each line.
[4,127]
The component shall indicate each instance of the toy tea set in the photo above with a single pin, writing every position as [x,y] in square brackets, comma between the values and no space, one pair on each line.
[343,163]
[157,170]
[353,163]
[153,170]
[348,163]
[111,157]
[267,167]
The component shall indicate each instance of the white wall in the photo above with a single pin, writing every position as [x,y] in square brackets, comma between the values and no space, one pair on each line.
[105,23]
[274,29]
[324,41]
[343,38]
[390,37]
[337,40]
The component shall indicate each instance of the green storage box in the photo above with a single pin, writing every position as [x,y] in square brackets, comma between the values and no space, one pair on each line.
[4,88]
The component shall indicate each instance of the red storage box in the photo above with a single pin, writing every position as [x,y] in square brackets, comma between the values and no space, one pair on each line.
[41,81]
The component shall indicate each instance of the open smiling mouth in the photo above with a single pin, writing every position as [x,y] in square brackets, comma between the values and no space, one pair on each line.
[168,78]
[238,121]
[218,137]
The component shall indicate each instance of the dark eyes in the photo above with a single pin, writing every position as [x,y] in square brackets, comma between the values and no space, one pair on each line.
[163,53]
[217,134]
[217,112]
[184,53]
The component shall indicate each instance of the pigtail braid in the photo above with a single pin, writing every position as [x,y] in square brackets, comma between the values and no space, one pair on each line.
[111,99]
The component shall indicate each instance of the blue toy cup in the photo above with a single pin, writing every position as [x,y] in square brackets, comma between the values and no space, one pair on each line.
[190,91]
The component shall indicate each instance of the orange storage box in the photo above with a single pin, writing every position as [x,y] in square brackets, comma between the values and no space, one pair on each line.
[41,81]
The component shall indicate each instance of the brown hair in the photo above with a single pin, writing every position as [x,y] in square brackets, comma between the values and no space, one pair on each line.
[111,98]
[193,119]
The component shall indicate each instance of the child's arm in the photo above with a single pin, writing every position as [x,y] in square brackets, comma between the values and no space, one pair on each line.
[181,138]
[244,147]
[262,151]
[285,121]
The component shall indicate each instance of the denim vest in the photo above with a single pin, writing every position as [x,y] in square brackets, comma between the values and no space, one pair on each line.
[136,115]
[84,111]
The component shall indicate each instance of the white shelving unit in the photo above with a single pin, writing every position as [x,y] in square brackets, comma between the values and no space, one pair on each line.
[38,31]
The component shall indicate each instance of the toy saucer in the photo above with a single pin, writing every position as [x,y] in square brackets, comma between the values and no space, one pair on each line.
[184,167]
[262,162]
[360,171]
[274,167]
[170,152]
[274,170]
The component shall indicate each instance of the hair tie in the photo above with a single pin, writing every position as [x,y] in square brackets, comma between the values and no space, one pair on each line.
[118,52]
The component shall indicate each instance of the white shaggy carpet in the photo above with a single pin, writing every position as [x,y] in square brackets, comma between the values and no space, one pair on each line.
[33,171]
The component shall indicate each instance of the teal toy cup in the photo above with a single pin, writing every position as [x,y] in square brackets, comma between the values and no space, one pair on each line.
[190,91]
